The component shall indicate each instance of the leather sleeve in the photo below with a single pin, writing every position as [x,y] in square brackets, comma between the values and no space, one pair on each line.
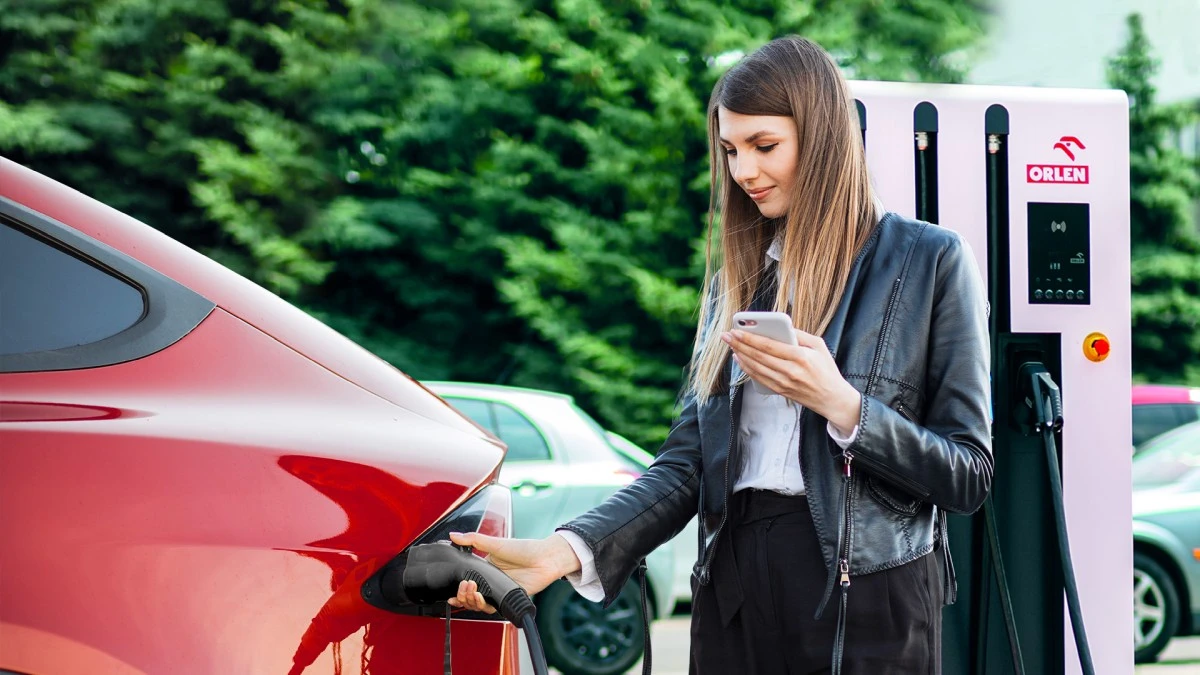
[656,506]
[648,512]
[947,459]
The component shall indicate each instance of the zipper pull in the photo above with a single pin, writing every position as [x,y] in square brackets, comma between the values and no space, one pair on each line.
[846,459]
[844,567]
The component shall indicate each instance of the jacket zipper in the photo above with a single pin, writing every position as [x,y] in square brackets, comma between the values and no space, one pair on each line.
[845,533]
[909,486]
[712,549]
[844,568]
[844,562]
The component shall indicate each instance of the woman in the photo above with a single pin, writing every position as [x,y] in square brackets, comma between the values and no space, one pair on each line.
[822,487]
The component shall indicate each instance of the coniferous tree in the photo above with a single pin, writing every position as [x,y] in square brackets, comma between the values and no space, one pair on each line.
[1164,185]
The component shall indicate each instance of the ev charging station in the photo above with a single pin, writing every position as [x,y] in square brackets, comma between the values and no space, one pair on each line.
[1037,182]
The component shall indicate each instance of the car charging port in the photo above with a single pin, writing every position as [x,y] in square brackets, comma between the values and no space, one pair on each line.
[428,574]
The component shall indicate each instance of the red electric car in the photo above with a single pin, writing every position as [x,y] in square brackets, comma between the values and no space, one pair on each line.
[197,477]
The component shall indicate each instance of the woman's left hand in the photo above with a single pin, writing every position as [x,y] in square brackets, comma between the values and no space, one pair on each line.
[806,374]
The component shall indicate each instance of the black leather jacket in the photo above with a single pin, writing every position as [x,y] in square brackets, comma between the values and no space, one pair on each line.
[911,334]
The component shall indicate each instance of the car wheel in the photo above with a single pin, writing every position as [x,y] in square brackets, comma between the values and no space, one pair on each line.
[583,637]
[1155,608]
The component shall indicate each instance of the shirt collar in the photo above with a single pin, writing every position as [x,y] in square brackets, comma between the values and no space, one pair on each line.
[775,250]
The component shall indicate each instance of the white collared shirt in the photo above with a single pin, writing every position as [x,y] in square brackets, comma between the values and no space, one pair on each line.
[769,432]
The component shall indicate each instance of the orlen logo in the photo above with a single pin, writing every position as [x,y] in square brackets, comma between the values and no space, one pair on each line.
[1060,173]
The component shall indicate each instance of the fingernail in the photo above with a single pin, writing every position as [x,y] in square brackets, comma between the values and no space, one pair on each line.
[738,334]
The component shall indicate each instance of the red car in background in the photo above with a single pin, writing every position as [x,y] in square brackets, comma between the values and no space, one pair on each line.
[1159,408]
[197,477]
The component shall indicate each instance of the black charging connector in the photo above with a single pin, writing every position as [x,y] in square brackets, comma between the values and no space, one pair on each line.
[433,572]
[429,574]
[1043,414]
[1041,397]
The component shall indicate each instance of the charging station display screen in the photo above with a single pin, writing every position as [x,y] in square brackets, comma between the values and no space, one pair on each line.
[1059,254]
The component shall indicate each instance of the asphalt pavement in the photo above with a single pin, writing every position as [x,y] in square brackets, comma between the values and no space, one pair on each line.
[1181,657]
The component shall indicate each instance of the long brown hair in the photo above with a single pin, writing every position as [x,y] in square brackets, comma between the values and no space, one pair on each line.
[832,209]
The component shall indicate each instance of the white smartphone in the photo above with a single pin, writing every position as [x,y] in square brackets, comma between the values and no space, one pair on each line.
[774,325]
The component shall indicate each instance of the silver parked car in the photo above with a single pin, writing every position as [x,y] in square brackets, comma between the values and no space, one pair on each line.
[560,463]
[1166,540]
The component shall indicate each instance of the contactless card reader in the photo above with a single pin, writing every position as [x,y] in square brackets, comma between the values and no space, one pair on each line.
[1059,254]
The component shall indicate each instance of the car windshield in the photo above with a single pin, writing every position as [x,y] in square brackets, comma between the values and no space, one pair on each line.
[1171,459]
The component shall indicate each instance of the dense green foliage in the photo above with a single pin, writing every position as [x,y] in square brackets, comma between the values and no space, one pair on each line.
[504,191]
[1164,185]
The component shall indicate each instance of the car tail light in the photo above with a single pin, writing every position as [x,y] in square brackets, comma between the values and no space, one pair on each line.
[488,511]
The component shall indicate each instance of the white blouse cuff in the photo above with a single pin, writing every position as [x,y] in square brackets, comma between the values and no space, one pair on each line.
[586,581]
[842,441]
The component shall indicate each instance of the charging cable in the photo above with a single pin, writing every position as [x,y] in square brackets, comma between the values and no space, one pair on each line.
[1045,400]
[1006,604]
[430,573]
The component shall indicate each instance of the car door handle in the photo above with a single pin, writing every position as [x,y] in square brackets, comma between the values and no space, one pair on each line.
[535,486]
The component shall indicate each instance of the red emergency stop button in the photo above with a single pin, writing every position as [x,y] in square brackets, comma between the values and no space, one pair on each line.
[1096,347]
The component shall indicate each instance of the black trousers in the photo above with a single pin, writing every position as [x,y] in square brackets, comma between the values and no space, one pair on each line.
[769,575]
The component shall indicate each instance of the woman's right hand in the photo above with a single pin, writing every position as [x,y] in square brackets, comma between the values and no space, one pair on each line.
[533,563]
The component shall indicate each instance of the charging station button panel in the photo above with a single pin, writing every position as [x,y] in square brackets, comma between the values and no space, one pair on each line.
[1059,254]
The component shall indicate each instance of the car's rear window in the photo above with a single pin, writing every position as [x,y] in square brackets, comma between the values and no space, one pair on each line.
[54,300]
[525,442]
